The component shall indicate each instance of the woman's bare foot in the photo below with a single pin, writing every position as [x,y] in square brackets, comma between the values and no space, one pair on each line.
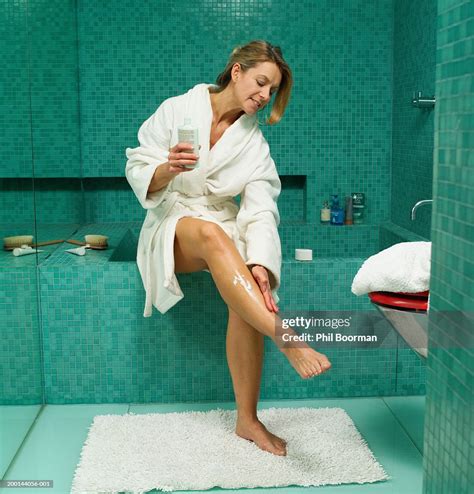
[306,361]
[255,431]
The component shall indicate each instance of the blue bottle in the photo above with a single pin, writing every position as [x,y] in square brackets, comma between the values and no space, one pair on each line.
[337,213]
[334,209]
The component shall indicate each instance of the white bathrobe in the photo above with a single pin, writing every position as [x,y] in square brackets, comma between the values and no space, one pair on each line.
[239,163]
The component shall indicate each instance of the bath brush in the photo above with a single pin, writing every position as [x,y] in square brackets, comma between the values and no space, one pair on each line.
[10,243]
[98,242]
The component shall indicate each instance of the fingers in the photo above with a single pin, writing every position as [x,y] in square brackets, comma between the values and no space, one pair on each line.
[268,301]
[180,155]
[177,161]
[264,285]
[182,146]
[272,306]
[267,296]
[179,169]
[184,156]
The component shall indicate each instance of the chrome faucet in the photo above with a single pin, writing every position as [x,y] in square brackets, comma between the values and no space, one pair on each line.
[417,205]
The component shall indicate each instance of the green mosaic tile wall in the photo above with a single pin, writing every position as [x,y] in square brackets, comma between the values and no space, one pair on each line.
[20,351]
[334,138]
[59,200]
[450,371]
[39,101]
[15,114]
[338,138]
[16,203]
[329,241]
[414,52]
[340,142]
[391,234]
[54,88]
[20,310]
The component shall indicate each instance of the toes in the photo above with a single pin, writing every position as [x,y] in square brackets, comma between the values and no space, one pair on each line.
[275,449]
[311,372]
[317,369]
[308,368]
[281,450]
[326,365]
[306,371]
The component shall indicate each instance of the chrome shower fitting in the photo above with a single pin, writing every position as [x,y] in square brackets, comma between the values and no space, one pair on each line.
[423,101]
[417,205]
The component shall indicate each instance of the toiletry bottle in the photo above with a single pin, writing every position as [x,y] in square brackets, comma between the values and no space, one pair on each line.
[349,219]
[337,213]
[358,204]
[340,216]
[334,209]
[325,213]
[190,134]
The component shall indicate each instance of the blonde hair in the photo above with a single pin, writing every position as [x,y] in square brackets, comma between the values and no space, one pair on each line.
[252,54]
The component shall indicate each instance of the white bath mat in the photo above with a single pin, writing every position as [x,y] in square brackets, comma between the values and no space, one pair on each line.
[200,450]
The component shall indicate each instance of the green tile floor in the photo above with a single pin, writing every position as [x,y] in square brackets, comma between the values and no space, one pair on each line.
[15,421]
[392,427]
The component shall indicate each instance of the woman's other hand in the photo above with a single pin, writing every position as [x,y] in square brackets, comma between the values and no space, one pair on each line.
[179,156]
[261,277]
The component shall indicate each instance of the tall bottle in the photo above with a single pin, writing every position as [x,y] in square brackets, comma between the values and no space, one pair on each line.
[337,213]
[188,133]
[349,211]
[325,213]
[358,201]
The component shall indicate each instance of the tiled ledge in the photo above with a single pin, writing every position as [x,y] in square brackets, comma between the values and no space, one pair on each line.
[327,242]
[391,234]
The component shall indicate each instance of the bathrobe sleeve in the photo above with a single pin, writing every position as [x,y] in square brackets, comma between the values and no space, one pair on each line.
[154,137]
[258,218]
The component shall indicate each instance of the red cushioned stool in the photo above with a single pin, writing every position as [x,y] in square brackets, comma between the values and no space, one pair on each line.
[402,301]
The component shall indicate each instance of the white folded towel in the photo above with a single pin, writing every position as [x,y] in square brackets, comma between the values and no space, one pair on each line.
[404,267]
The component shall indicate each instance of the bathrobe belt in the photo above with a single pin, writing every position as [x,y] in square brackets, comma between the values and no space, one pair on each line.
[207,200]
[200,204]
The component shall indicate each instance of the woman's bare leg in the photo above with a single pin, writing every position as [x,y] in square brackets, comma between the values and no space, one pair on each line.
[245,347]
[200,242]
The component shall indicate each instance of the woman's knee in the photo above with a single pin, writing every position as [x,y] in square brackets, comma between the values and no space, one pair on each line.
[212,235]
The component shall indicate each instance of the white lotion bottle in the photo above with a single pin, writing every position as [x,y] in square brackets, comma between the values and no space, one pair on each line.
[188,133]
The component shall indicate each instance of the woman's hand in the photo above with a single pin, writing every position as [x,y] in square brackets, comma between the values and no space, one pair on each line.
[181,155]
[261,277]
[177,158]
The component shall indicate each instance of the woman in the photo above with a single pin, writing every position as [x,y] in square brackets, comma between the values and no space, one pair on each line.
[194,224]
